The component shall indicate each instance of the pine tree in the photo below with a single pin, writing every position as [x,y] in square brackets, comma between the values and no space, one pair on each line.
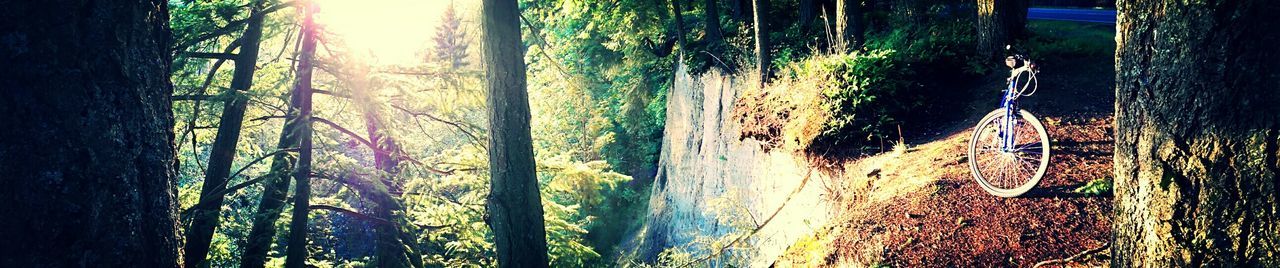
[451,40]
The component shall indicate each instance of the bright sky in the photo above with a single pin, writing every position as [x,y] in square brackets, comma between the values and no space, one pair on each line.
[392,31]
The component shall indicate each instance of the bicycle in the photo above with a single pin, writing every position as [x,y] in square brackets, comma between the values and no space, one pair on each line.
[1002,165]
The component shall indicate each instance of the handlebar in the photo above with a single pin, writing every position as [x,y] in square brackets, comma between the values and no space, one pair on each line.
[1016,60]
[1020,64]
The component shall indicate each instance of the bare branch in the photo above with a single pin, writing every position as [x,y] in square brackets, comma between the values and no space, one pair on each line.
[456,125]
[331,93]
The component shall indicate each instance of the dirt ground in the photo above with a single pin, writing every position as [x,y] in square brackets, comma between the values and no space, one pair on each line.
[921,207]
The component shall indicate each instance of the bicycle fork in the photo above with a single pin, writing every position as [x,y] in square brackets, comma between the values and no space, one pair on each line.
[1010,106]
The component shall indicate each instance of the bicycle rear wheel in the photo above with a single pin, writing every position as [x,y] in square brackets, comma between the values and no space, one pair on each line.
[1013,171]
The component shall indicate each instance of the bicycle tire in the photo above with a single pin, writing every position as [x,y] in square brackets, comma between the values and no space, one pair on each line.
[1043,158]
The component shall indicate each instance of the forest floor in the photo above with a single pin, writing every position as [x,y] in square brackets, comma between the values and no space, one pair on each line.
[920,206]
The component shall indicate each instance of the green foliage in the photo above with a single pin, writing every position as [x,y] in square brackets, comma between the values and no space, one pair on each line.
[866,96]
[600,88]
[600,95]
[1100,186]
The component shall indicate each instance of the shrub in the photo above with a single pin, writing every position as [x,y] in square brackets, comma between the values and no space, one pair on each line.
[864,96]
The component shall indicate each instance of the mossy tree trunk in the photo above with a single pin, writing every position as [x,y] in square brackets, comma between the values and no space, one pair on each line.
[1197,129]
[87,173]
[514,205]
[204,215]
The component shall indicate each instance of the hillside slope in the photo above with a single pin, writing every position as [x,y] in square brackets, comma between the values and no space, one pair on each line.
[921,207]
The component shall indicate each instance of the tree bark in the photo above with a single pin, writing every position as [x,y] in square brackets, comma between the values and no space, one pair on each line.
[296,253]
[761,9]
[1000,23]
[514,205]
[88,155]
[1197,130]
[222,154]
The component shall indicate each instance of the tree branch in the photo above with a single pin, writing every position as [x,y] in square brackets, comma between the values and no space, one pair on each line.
[349,212]
[231,27]
[1073,258]
[195,106]
[194,97]
[758,227]
[399,155]
[456,125]
[209,55]
[330,93]
[242,185]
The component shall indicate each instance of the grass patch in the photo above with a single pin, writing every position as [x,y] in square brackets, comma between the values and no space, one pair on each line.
[1063,39]
[1097,187]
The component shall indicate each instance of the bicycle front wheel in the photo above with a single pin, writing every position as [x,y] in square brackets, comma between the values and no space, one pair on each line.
[1008,170]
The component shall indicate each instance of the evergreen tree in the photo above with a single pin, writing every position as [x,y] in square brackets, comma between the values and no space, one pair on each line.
[451,40]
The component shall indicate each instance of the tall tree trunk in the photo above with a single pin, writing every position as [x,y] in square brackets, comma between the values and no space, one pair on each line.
[1197,128]
[679,19]
[205,213]
[87,155]
[514,206]
[296,254]
[762,39]
[715,35]
[738,10]
[805,18]
[1000,23]
[853,31]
